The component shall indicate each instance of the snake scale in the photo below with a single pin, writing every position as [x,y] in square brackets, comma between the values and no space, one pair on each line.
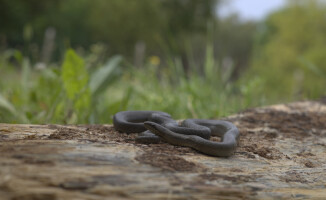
[155,126]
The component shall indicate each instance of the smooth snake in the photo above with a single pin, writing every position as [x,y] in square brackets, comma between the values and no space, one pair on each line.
[195,133]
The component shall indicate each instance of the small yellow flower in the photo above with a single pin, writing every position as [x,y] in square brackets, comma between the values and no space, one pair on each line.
[154,60]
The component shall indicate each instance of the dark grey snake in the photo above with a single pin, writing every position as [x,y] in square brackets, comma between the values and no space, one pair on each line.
[194,133]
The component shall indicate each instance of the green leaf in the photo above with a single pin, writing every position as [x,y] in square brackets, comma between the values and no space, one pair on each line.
[75,80]
[105,76]
[18,56]
[74,74]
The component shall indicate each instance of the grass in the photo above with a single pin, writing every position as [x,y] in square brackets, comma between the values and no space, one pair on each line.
[74,93]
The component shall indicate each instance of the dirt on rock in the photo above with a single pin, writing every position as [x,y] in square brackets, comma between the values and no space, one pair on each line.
[168,162]
[291,125]
[266,152]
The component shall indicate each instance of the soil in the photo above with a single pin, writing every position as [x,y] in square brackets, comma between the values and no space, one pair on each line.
[233,179]
[291,125]
[167,162]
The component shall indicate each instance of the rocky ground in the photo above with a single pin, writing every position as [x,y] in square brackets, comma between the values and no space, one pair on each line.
[282,154]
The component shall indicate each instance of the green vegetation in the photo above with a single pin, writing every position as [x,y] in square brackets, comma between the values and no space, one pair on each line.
[291,53]
[71,94]
[197,66]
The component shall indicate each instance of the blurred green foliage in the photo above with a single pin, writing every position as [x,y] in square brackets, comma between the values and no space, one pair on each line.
[73,95]
[69,94]
[118,23]
[291,52]
[193,64]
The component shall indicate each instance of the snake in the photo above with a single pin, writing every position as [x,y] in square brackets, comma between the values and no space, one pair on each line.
[156,126]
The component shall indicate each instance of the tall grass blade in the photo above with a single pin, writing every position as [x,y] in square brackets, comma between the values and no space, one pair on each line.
[7,106]
[105,76]
[312,67]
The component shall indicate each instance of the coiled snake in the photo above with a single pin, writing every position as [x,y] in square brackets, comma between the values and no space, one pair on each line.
[194,133]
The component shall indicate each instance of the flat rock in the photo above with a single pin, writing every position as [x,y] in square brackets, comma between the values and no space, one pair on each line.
[282,155]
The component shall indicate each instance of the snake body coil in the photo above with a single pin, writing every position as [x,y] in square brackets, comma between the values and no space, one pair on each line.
[194,133]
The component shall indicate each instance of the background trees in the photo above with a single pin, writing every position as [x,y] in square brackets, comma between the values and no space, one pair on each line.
[117,23]
[291,51]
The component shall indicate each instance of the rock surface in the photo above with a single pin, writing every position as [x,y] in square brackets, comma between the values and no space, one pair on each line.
[282,154]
